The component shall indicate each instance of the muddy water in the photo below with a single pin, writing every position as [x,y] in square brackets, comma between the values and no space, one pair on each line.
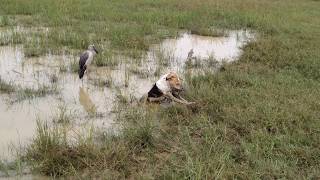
[90,103]
[173,53]
[221,48]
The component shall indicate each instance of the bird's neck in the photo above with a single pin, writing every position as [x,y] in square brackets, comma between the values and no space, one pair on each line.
[92,52]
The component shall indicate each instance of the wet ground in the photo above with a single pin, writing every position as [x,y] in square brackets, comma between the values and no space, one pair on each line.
[90,103]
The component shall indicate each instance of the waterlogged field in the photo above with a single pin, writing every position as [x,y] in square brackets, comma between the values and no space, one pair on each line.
[57,93]
[254,75]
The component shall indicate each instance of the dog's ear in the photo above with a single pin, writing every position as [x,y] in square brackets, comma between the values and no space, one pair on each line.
[170,76]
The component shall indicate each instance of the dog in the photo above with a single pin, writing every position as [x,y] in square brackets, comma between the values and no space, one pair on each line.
[167,87]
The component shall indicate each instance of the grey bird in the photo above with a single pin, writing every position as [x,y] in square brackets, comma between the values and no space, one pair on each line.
[86,59]
[190,54]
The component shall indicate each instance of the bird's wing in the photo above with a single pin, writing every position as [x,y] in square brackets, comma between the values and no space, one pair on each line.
[83,58]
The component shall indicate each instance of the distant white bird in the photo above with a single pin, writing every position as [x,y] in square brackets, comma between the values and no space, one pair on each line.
[86,59]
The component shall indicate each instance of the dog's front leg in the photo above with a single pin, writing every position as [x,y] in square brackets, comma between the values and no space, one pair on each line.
[178,100]
[177,95]
[154,99]
[188,102]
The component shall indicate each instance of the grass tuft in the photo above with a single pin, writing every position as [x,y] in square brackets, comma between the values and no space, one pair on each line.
[6,87]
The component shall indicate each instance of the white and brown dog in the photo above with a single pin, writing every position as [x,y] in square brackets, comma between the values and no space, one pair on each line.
[168,86]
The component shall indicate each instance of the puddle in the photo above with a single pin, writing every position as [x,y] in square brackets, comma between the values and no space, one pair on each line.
[208,52]
[91,103]
[86,103]
[220,48]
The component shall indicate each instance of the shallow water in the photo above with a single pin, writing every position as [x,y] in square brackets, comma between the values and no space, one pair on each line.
[90,103]
[173,53]
[221,48]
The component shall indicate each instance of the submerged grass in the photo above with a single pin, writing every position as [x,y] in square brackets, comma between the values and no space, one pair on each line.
[6,87]
[21,94]
[8,169]
[256,119]
[28,93]
[63,116]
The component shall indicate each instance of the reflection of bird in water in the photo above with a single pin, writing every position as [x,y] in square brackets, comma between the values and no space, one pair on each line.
[86,102]
[86,59]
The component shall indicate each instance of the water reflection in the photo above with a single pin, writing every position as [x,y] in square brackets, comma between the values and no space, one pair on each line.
[86,101]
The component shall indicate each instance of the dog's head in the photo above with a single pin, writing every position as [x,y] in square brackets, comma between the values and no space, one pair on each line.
[174,81]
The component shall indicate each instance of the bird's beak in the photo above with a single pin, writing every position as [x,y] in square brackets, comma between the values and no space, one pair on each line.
[95,50]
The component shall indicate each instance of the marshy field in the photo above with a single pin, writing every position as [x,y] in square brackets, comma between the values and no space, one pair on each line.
[254,75]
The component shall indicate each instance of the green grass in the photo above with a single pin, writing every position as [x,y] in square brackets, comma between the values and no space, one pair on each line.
[11,37]
[105,58]
[52,154]
[4,21]
[256,119]
[117,25]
